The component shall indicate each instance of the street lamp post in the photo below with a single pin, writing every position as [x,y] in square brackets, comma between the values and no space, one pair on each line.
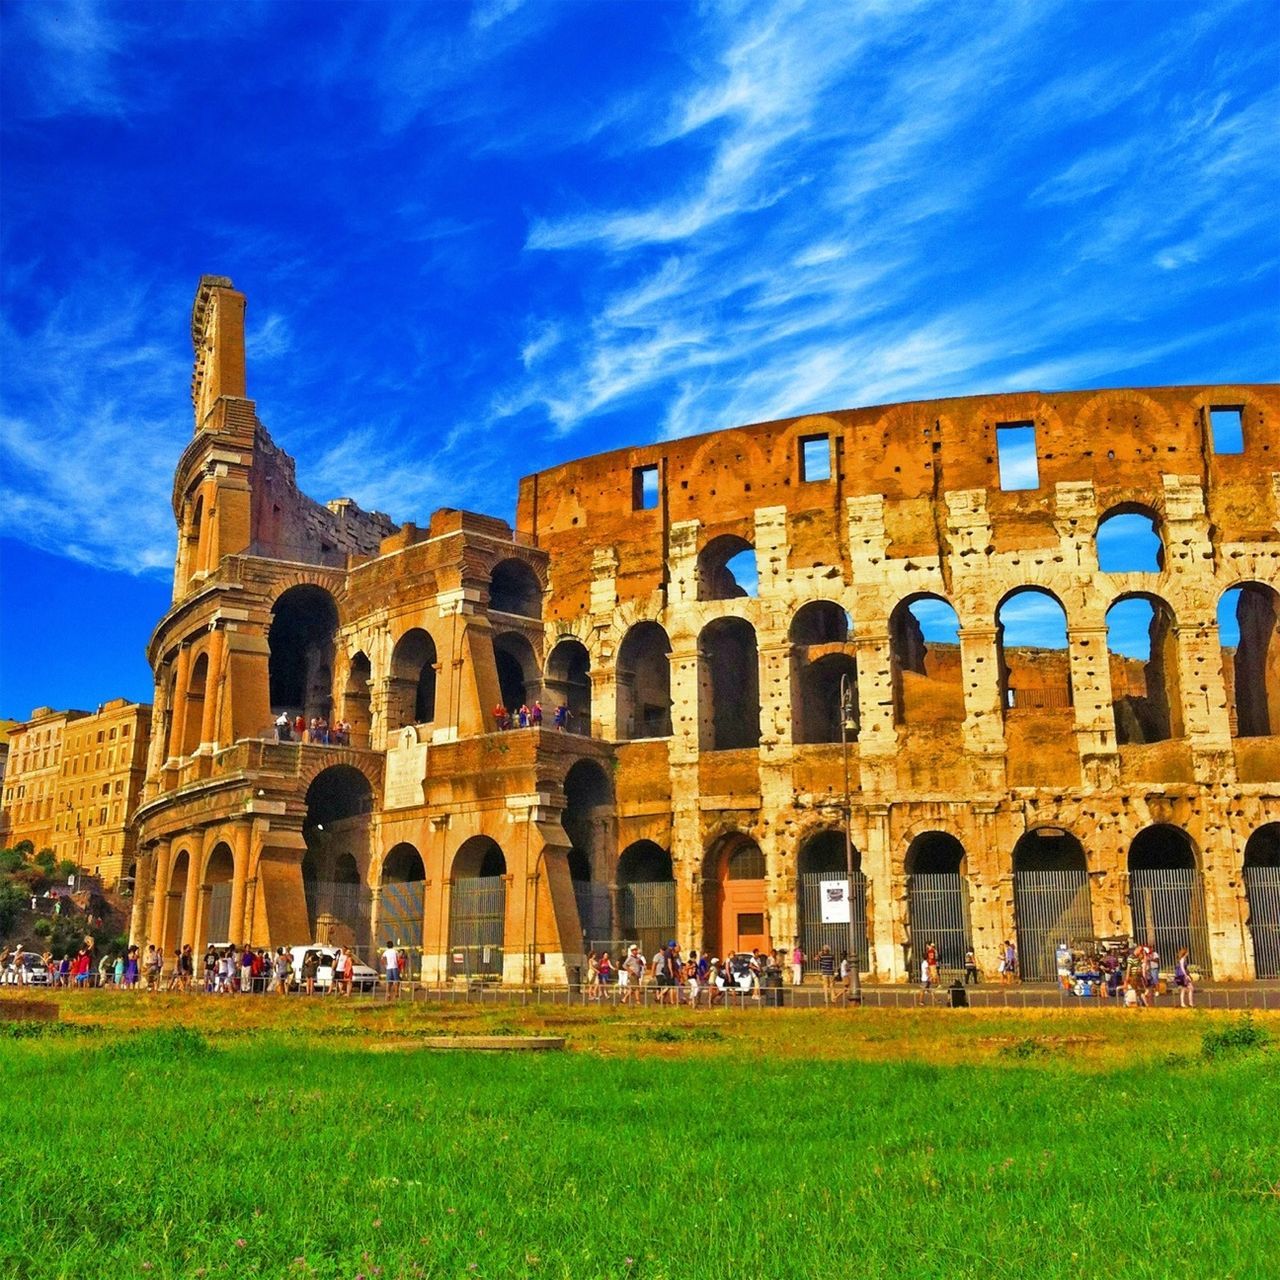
[848,724]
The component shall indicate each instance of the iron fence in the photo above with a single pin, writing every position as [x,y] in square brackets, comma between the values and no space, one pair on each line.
[402,909]
[218,928]
[1263,886]
[595,910]
[814,935]
[648,912]
[477,914]
[938,912]
[1167,907]
[1049,907]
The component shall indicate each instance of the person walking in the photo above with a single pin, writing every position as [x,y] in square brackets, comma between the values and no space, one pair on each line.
[926,980]
[630,975]
[246,970]
[827,972]
[797,965]
[1184,981]
[970,968]
[391,964]
[931,958]
[310,966]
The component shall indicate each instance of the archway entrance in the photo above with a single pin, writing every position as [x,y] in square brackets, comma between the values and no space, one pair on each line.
[217,878]
[1051,901]
[402,903]
[304,622]
[355,707]
[588,822]
[1262,882]
[177,903]
[820,922]
[477,909]
[339,902]
[517,670]
[1166,895]
[411,691]
[646,896]
[937,901]
[735,914]
[568,683]
[644,683]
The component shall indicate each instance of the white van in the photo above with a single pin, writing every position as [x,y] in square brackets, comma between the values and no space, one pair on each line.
[363,978]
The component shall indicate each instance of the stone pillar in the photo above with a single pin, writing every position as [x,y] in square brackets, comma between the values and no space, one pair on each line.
[191,900]
[771,550]
[877,866]
[160,892]
[142,884]
[212,696]
[1204,699]
[988,868]
[1095,726]
[241,838]
[178,724]
[984,713]
[682,564]
[877,734]
[776,716]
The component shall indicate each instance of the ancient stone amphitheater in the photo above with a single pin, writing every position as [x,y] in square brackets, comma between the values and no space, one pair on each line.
[1021,648]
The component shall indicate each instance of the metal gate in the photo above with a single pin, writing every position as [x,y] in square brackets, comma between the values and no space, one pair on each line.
[342,903]
[218,926]
[401,910]
[1049,907]
[938,912]
[595,913]
[1263,885]
[477,912]
[648,913]
[814,934]
[1167,907]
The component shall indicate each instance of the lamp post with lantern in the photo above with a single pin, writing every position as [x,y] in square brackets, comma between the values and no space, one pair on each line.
[848,725]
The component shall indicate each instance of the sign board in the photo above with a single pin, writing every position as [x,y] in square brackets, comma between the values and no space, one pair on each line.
[835,901]
[406,770]
[459,957]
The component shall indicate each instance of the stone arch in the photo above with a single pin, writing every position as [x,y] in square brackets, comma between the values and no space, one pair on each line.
[1031,647]
[567,681]
[1249,632]
[644,683]
[304,625]
[588,821]
[517,669]
[937,902]
[734,899]
[1146,692]
[934,853]
[194,537]
[821,859]
[645,862]
[726,569]
[824,698]
[411,688]
[514,588]
[1166,894]
[402,897]
[924,647]
[728,685]
[1262,885]
[1129,539]
[646,895]
[820,622]
[477,908]
[1052,903]
[216,881]
[179,871]
[338,792]
[197,691]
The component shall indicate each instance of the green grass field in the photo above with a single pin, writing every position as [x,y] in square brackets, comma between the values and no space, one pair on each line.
[172,1137]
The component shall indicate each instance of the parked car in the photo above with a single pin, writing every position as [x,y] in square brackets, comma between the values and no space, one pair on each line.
[35,974]
[362,977]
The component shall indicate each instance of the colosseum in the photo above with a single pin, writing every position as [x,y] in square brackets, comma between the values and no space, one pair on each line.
[749,648]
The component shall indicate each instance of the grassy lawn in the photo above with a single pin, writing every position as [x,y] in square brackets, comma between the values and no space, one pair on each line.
[252,1137]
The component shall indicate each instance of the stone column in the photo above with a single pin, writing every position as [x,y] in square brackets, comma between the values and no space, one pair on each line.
[776,716]
[177,726]
[242,834]
[1095,726]
[160,892]
[984,713]
[877,866]
[209,721]
[142,884]
[195,865]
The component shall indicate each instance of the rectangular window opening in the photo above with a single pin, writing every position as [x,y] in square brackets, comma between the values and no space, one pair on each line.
[644,488]
[815,458]
[1226,423]
[1016,451]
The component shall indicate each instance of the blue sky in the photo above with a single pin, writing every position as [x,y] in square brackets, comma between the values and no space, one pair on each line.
[481,239]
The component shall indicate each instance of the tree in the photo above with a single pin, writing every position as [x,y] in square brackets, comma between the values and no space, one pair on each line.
[46,861]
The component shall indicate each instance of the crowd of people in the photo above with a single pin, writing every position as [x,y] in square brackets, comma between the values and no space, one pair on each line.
[317,730]
[530,717]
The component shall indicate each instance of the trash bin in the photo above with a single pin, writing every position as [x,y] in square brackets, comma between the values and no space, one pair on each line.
[771,989]
[959,996]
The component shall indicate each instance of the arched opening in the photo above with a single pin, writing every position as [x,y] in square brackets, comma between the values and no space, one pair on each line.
[825,901]
[179,870]
[477,909]
[197,691]
[588,822]
[937,901]
[514,588]
[1051,902]
[644,683]
[924,646]
[402,900]
[817,707]
[517,670]
[819,622]
[728,685]
[568,683]
[218,874]
[339,902]
[727,569]
[411,690]
[1166,895]
[304,622]
[1143,648]
[1031,640]
[1128,541]
[1262,884]
[735,911]
[1247,631]
[195,531]
[355,702]
[646,895]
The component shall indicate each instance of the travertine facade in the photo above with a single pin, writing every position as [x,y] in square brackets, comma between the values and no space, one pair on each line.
[992,791]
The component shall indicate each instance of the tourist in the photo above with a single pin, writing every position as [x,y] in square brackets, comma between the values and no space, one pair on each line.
[691,978]
[846,979]
[132,965]
[186,967]
[284,727]
[500,716]
[346,970]
[210,970]
[310,966]
[631,975]
[523,716]
[299,727]
[605,974]
[797,965]
[283,967]
[154,967]
[1153,975]
[970,967]
[535,716]
[827,972]
[105,968]
[1183,980]
[561,718]
[593,977]
[391,963]
[926,979]
[80,969]
[931,957]
[117,971]
[1135,979]
[246,970]
[661,972]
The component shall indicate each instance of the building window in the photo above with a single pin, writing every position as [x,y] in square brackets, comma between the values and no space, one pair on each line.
[1226,424]
[644,488]
[1016,452]
[815,458]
